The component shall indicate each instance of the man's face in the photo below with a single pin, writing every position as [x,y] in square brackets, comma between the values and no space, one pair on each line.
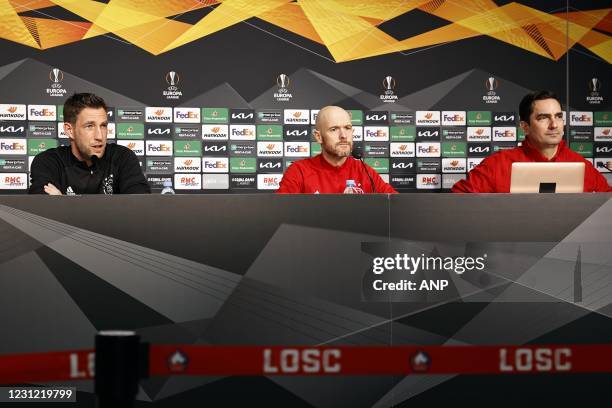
[88,133]
[335,133]
[545,127]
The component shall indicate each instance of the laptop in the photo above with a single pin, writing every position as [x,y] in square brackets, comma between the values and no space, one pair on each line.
[559,177]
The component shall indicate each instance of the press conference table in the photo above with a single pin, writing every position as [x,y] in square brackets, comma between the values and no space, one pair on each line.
[267,269]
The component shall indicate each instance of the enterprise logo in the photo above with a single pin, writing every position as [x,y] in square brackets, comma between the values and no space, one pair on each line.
[428,149]
[402,149]
[296,132]
[297,117]
[12,112]
[158,114]
[428,118]
[269,165]
[215,164]
[454,165]
[297,149]
[158,131]
[581,118]
[270,149]
[215,132]
[453,118]
[13,181]
[603,134]
[376,117]
[376,133]
[42,112]
[242,116]
[269,181]
[187,181]
[603,149]
[504,118]
[429,181]
[187,115]
[187,165]
[13,146]
[473,162]
[137,146]
[159,147]
[242,132]
[478,134]
[12,130]
[504,134]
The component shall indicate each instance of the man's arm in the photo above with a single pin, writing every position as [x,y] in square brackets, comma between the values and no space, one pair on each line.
[479,180]
[594,180]
[131,180]
[44,170]
[292,181]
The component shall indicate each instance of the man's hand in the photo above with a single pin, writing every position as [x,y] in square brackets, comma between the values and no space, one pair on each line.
[52,190]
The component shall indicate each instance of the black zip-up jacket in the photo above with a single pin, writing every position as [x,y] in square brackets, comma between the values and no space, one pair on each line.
[117,172]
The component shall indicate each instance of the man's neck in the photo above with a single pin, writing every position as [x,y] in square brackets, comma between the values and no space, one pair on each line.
[335,161]
[77,154]
[548,151]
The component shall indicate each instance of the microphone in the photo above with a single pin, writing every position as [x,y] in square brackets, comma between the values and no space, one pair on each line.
[357,153]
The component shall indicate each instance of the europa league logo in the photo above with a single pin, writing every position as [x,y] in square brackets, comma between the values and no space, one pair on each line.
[595,85]
[172,78]
[389,83]
[56,75]
[491,84]
[282,81]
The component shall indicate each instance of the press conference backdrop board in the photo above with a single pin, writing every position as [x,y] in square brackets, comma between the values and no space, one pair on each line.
[268,270]
[222,96]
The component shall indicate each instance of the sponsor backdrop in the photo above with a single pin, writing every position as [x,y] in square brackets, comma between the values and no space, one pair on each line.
[223,96]
[299,278]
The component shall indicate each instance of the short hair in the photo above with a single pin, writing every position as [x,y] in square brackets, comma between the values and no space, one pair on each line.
[526,105]
[79,101]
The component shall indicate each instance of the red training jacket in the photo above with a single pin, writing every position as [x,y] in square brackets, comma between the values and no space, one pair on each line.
[492,175]
[316,176]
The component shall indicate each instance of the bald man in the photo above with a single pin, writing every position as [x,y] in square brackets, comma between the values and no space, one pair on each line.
[328,172]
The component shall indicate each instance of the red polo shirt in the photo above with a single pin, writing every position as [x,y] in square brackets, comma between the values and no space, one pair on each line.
[492,175]
[316,176]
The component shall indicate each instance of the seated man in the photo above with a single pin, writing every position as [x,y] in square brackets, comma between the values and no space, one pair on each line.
[328,172]
[89,165]
[542,121]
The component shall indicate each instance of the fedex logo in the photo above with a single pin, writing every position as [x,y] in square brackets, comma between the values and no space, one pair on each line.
[12,146]
[42,112]
[453,118]
[581,118]
[187,115]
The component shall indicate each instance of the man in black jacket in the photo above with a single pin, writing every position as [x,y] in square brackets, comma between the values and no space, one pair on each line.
[89,165]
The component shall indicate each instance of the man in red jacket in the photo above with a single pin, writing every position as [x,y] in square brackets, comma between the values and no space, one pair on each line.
[328,172]
[542,121]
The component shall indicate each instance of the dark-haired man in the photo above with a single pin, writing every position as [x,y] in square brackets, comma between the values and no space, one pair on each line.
[328,172]
[542,121]
[89,165]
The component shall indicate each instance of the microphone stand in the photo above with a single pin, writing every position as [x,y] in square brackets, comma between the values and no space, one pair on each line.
[356,153]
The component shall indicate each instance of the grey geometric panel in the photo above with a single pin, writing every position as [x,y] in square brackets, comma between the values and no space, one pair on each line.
[29,82]
[27,284]
[220,96]
[177,288]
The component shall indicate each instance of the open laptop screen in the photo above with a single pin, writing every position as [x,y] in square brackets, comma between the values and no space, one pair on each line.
[560,177]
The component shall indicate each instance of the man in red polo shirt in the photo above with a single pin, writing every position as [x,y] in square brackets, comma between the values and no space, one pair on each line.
[542,121]
[328,172]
